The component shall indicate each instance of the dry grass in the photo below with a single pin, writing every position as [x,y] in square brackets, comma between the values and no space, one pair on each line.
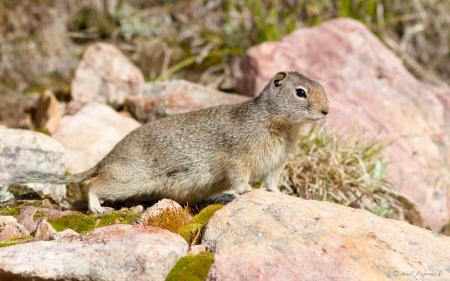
[329,168]
[171,219]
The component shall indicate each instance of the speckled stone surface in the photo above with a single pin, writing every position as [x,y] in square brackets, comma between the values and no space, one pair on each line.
[265,236]
[117,252]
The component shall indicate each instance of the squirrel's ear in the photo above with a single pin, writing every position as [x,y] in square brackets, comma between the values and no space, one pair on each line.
[278,78]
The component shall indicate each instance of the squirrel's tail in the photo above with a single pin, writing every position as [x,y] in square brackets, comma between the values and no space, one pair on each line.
[52,178]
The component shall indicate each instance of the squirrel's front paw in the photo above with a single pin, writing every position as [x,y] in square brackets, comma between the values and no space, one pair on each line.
[273,189]
[244,189]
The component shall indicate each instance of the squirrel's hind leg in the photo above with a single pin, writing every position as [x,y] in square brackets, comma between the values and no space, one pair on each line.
[239,180]
[94,203]
[93,187]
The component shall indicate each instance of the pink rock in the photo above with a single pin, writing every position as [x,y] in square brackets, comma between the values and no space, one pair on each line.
[117,252]
[372,95]
[90,134]
[196,249]
[25,218]
[46,203]
[54,213]
[160,99]
[66,233]
[137,209]
[9,228]
[265,236]
[44,230]
[105,75]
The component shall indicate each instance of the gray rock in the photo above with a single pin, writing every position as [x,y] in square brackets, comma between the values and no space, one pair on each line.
[24,151]
[117,252]
[160,99]
[265,236]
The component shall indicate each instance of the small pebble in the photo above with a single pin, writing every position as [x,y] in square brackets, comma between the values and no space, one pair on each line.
[46,203]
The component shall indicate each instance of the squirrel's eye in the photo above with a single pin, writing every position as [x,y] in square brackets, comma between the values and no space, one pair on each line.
[301,93]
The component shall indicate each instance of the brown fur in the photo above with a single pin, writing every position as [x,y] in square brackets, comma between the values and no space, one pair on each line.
[188,157]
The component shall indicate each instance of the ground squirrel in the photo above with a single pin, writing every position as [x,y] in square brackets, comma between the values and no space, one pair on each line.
[188,157]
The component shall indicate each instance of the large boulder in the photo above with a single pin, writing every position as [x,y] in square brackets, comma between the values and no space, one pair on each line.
[23,152]
[265,236]
[159,99]
[90,134]
[117,252]
[104,75]
[372,95]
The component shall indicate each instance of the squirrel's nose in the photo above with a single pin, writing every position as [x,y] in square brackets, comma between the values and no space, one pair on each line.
[325,110]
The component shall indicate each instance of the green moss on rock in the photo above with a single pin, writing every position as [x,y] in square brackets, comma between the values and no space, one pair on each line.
[206,213]
[191,230]
[123,217]
[13,211]
[76,221]
[191,267]
[84,223]
[39,214]
[15,240]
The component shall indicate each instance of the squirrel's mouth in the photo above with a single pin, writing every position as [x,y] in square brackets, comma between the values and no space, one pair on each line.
[316,116]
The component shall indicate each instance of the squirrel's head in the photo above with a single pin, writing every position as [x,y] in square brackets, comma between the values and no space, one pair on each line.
[295,97]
